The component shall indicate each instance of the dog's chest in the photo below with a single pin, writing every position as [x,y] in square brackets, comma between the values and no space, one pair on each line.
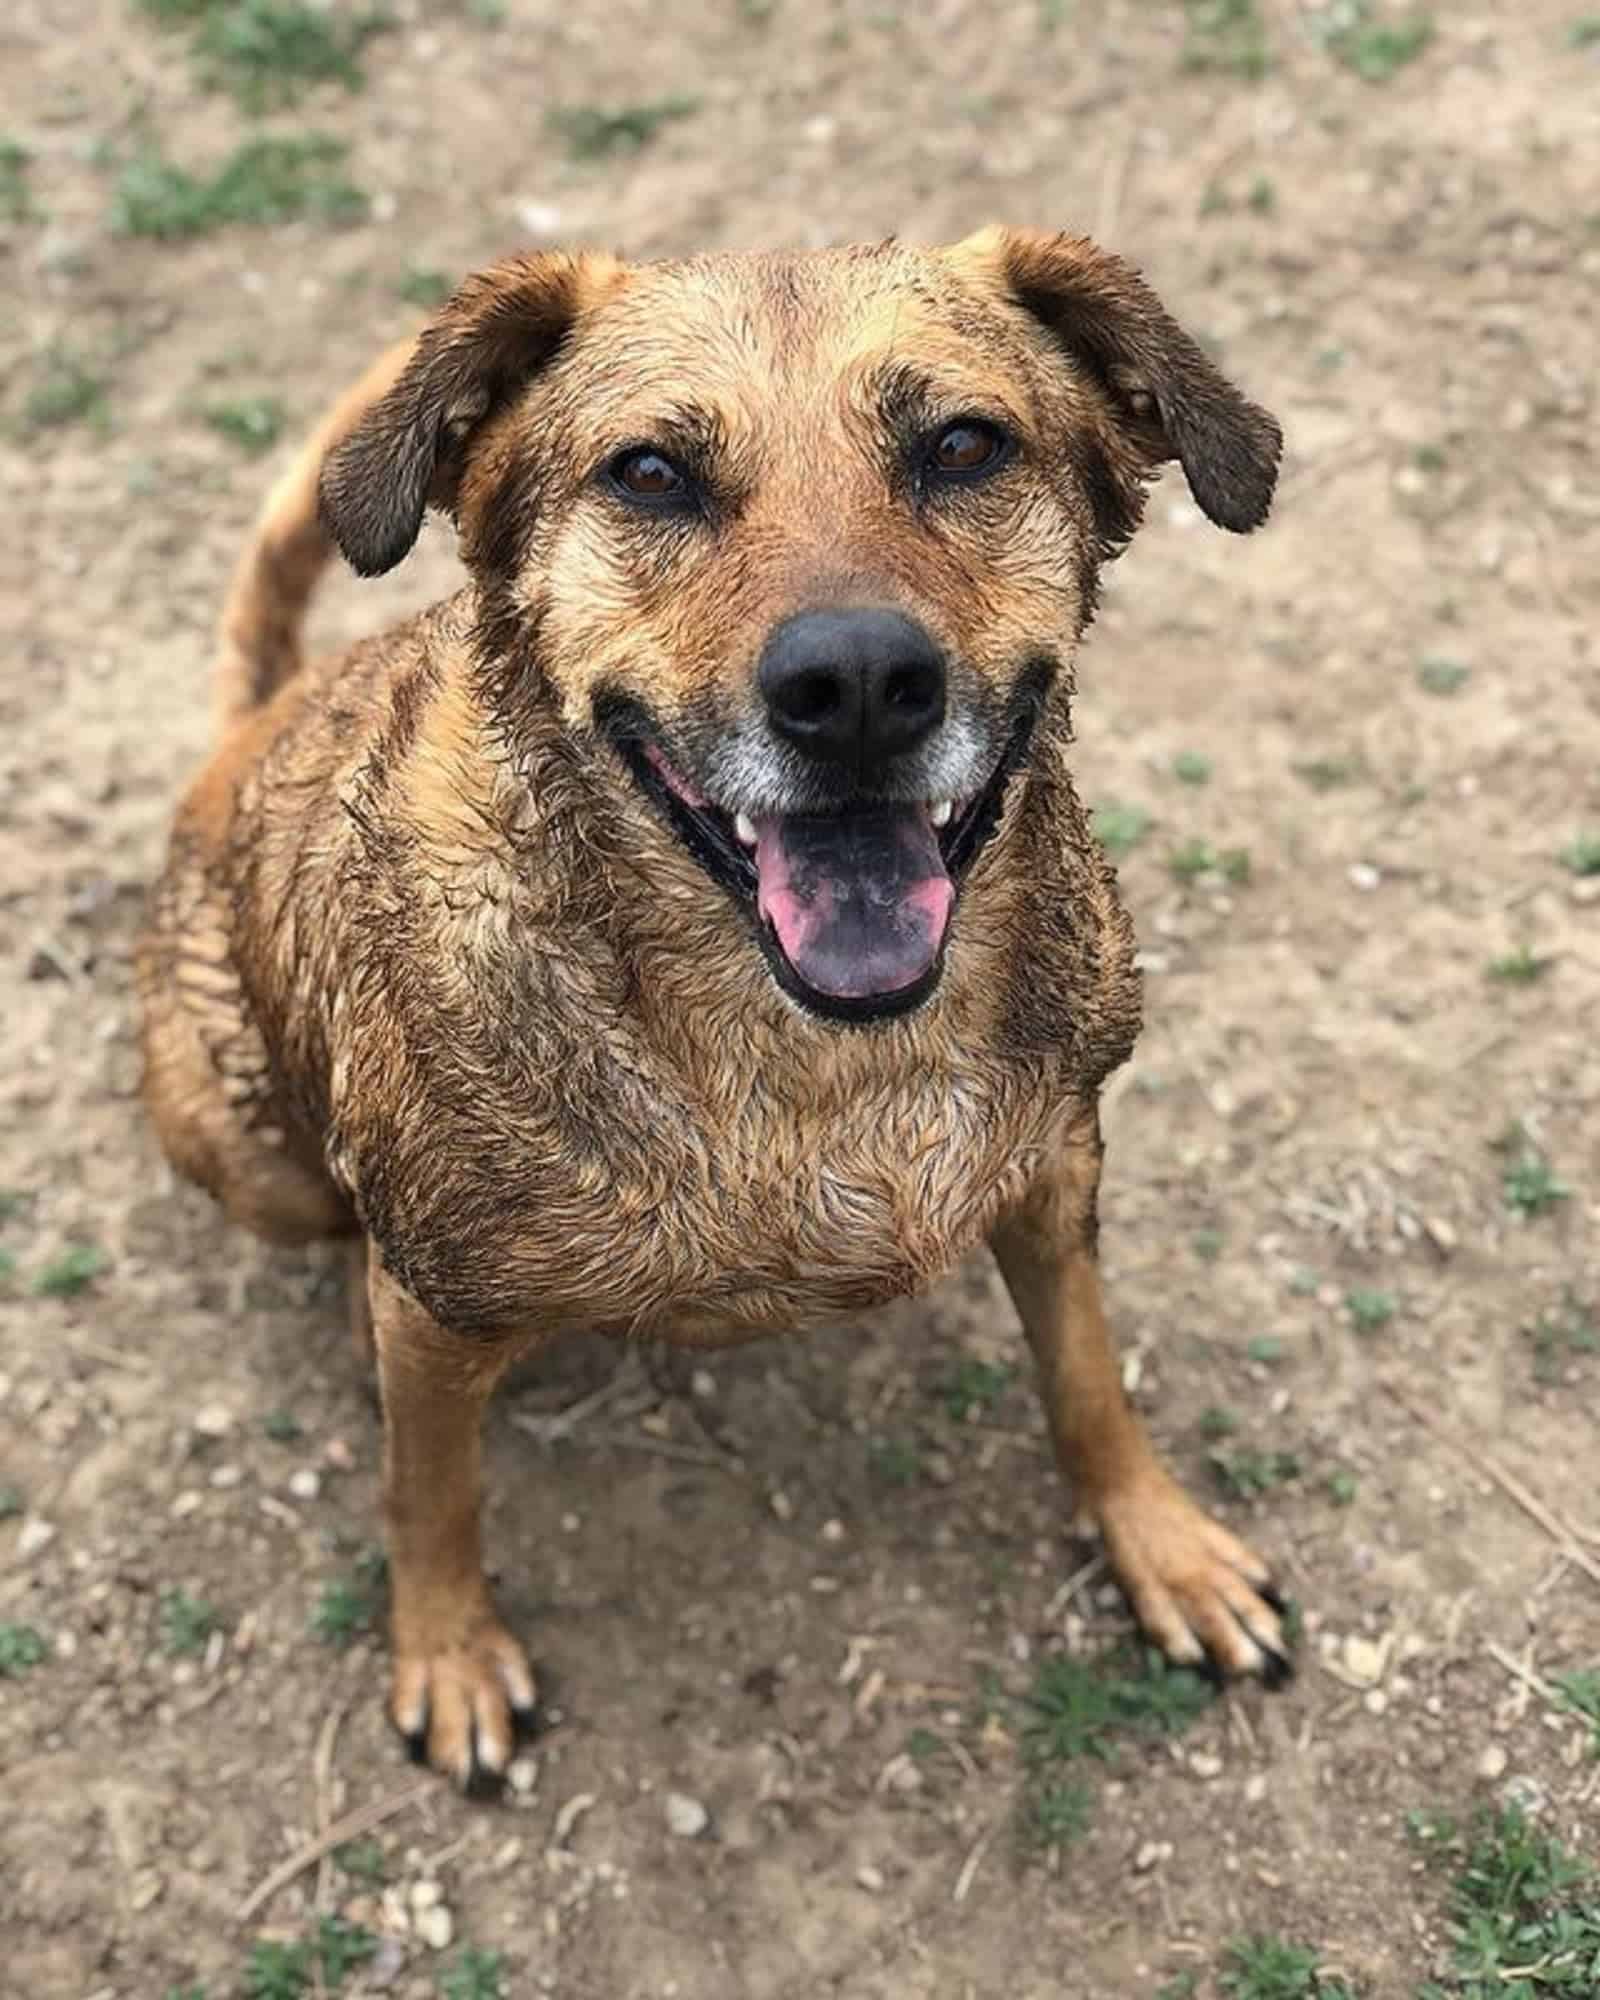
[635,1212]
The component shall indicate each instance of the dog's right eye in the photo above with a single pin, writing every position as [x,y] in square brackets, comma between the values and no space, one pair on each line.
[648,475]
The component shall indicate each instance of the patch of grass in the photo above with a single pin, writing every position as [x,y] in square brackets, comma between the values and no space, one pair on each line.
[1217,1422]
[1325,774]
[362,1860]
[419,286]
[265,53]
[345,1608]
[1207,1245]
[186,1624]
[1266,1348]
[1263,196]
[476,1975]
[68,391]
[1181,1986]
[592,132]
[1520,967]
[1580,1693]
[276,1971]
[11,1503]
[253,423]
[21,1650]
[1119,829]
[1524,1917]
[1531,1185]
[1226,36]
[16,204]
[71,1271]
[1438,675]
[1056,1815]
[1584,33]
[896,1461]
[282,1427]
[1304,1283]
[1189,767]
[1342,1486]
[1271,1968]
[1560,1334]
[8,1265]
[1429,458]
[1196,858]
[1247,1472]
[1370,1311]
[1582,854]
[340,1946]
[261,182]
[1079,1708]
[974,1387]
[1371,44]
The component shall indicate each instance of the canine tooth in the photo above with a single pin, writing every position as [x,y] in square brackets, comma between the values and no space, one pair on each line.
[745,829]
[940,814]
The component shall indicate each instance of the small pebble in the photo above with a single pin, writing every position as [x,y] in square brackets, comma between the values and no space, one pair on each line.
[338,1455]
[225,1476]
[833,1531]
[34,1535]
[1492,1764]
[305,1482]
[436,1927]
[686,1817]
[1151,1854]
[703,1384]
[522,1774]
[1364,876]
[426,1896]
[212,1420]
[870,1878]
[1364,1659]
[1204,1765]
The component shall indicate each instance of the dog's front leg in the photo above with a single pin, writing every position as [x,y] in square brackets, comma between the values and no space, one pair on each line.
[1199,1593]
[461,1687]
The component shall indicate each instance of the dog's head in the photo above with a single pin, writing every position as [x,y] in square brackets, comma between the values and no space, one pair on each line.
[799,543]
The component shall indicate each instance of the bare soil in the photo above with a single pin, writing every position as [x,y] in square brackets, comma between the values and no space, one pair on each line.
[796,1588]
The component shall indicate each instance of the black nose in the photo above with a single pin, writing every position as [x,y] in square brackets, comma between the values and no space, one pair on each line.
[852,687]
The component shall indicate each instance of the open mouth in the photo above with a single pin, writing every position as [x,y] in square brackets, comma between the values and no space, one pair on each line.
[852,908]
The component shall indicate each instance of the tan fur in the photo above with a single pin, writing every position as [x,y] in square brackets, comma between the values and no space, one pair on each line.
[426,965]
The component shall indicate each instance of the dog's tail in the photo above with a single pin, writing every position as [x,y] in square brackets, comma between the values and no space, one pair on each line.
[259,634]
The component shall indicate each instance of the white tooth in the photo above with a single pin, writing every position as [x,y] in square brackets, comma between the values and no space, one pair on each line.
[940,814]
[745,828]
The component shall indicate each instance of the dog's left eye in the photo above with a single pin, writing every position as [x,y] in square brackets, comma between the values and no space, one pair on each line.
[648,475]
[962,450]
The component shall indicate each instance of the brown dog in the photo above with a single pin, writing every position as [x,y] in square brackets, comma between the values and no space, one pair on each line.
[690,928]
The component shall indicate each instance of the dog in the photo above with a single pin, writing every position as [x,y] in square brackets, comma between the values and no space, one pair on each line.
[690,929]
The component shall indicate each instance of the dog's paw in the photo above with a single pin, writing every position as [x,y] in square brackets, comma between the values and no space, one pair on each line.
[463,1705]
[1201,1595]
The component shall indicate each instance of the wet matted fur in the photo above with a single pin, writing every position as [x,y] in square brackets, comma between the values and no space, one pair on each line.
[571,949]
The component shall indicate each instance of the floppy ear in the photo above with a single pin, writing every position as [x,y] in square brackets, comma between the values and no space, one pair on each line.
[498,329]
[1172,399]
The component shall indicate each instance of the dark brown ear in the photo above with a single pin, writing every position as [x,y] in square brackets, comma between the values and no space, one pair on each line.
[500,327]
[1173,399]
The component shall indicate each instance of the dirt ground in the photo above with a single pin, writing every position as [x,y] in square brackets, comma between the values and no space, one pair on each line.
[1354,1184]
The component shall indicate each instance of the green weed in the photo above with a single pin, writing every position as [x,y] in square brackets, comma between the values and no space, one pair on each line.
[16,204]
[253,423]
[896,1461]
[70,1272]
[1437,675]
[186,1624]
[974,1387]
[1228,36]
[1119,829]
[276,1971]
[1247,1472]
[1271,1968]
[1524,1917]
[282,1427]
[1079,1708]
[592,132]
[21,1650]
[1369,1311]
[1582,854]
[345,1608]
[1520,967]
[1580,1693]
[1371,45]
[476,1975]
[1056,1815]
[1190,768]
[68,392]
[261,182]
[362,1860]
[419,286]
[266,52]
[1558,1335]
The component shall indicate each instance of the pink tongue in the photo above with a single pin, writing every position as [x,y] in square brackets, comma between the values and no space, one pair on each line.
[860,903]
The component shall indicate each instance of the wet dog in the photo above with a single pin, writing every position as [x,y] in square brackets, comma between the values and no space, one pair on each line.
[690,930]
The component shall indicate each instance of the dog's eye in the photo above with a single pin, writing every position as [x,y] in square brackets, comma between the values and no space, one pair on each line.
[964,449]
[648,475]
